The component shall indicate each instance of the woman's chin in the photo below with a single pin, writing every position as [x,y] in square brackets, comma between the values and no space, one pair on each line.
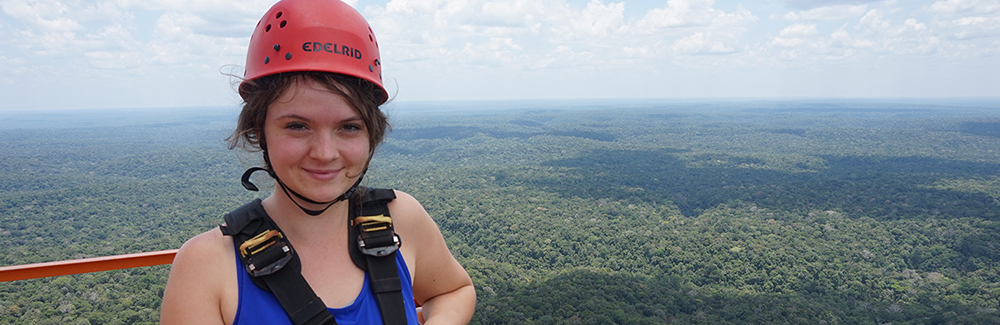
[325,196]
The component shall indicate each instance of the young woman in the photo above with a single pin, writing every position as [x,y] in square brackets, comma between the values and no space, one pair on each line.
[311,94]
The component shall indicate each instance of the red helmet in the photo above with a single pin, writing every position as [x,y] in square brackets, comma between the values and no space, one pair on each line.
[314,35]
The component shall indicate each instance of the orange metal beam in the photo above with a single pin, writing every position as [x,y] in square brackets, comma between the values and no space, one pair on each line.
[86,265]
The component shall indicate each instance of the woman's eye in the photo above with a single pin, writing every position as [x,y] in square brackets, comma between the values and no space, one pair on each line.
[352,127]
[295,126]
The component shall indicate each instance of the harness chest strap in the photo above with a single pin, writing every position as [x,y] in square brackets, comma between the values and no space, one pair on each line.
[273,265]
[376,249]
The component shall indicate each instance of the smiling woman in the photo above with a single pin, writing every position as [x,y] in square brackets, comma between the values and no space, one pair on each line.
[324,249]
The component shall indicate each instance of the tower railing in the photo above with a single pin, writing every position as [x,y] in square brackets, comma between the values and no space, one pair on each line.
[85,265]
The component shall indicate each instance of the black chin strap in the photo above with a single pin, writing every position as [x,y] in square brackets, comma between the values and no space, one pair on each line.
[289,192]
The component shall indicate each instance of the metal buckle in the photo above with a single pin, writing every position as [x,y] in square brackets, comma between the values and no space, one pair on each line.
[265,243]
[260,242]
[370,225]
[379,251]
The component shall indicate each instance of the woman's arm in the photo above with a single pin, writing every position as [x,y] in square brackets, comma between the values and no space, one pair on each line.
[200,276]
[440,284]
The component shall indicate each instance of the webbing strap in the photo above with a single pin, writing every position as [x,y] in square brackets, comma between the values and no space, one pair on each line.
[294,294]
[297,298]
[387,287]
[383,272]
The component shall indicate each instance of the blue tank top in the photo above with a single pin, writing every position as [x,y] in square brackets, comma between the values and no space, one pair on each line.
[257,306]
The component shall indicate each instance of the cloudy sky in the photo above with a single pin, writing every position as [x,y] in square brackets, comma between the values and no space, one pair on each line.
[158,53]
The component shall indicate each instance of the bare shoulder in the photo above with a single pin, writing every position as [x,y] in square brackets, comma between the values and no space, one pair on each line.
[207,251]
[404,202]
[406,206]
[202,280]
[410,217]
[211,242]
[411,222]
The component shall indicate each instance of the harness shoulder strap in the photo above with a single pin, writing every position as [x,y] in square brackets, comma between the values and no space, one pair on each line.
[373,245]
[273,265]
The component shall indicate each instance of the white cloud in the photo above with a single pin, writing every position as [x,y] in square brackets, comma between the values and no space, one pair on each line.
[965,6]
[967,28]
[811,4]
[841,38]
[402,20]
[51,16]
[798,30]
[880,34]
[968,19]
[497,49]
[890,36]
[795,35]
[693,27]
[701,43]
[691,13]
[827,13]
[874,19]
[596,20]
[247,8]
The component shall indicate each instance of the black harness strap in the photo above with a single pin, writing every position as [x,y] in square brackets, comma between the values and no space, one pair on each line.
[311,309]
[375,251]
[273,265]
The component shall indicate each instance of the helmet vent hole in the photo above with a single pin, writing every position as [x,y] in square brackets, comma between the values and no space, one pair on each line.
[288,56]
[276,47]
[267,28]
[283,23]
[267,59]
[278,15]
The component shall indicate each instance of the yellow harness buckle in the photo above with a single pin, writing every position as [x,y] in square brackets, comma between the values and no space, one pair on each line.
[266,253]
[372,223]
[260,242]
[376,237]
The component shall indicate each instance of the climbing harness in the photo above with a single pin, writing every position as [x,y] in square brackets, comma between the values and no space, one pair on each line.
[270,259]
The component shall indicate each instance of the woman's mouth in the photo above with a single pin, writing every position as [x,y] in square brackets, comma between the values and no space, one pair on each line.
[322,175]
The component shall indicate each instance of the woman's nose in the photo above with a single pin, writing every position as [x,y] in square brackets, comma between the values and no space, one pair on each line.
[325,147]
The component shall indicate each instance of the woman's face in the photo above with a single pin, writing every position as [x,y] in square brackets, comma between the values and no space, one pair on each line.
[316,142]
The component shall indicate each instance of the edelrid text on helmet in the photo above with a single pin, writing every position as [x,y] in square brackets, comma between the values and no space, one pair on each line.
[314,35]
[331,48]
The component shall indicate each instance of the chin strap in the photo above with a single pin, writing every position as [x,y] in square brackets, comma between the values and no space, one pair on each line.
[289,192]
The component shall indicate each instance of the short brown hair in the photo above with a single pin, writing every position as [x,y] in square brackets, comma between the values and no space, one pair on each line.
[258,94]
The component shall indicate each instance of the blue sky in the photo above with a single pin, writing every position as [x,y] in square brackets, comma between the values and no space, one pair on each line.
[57,54]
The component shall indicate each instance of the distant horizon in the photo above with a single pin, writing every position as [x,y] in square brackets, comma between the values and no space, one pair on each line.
[151,116]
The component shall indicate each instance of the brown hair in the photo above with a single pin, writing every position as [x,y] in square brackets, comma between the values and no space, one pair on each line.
[258,94]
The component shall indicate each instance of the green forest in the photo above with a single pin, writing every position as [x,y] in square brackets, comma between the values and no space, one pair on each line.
[602,212]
